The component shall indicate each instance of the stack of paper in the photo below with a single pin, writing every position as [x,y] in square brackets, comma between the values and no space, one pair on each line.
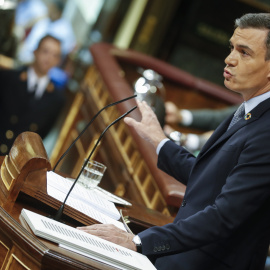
[86,244]
[83,200]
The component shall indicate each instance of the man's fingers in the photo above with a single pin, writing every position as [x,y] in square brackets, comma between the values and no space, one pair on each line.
[130,121]
[110,233]
[98,229]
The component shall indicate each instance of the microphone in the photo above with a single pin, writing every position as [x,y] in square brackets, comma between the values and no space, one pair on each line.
[90,122]
[59,213]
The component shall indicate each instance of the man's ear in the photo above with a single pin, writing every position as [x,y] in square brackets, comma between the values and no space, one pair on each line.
[268,74]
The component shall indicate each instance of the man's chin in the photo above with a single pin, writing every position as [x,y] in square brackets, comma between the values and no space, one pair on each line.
[227,84]
[231,86]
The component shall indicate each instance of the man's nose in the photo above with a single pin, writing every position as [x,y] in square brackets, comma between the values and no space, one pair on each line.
[231,59]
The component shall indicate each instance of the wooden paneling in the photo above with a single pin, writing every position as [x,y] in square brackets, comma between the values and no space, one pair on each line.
[20,260]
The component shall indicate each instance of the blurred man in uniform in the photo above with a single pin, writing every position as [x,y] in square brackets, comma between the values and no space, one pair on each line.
[29,100]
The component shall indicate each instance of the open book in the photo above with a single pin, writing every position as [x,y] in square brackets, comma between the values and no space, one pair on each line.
[84,200]
[84,243]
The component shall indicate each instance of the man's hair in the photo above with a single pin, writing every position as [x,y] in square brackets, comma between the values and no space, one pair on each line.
[47,37]
[257,21]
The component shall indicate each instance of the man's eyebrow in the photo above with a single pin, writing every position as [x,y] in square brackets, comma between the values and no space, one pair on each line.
[241,46]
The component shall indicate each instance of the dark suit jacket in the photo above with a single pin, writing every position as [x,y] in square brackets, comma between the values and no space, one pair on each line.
[224,221]
[20,111]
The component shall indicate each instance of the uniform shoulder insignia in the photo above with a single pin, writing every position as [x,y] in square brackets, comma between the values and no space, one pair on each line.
[50,87]
[23,76]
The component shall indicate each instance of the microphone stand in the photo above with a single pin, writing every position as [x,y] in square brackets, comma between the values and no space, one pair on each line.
[82,132]
[59,213]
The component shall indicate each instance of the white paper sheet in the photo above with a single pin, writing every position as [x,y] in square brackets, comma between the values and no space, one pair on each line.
[83,200]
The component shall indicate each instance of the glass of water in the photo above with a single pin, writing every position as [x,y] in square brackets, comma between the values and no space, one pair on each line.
[92,174]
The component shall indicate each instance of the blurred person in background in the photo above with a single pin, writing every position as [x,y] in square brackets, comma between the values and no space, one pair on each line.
[201,119]
[29,100]
[28,13]
[55,25]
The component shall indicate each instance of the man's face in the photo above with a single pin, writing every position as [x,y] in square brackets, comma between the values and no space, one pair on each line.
[48,55]
[247,72]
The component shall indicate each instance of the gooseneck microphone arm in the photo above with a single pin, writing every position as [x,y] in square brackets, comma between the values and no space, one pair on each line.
[91,121]
[59,213]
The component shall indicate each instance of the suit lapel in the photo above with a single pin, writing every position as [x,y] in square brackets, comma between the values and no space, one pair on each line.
[221,133]
[218,134]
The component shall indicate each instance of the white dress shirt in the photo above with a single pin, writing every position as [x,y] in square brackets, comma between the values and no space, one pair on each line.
[34,83]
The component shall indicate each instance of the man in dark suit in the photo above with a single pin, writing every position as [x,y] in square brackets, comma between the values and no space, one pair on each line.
[29,100]
[224,220]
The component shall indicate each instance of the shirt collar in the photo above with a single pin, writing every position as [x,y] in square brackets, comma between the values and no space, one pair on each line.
[33,79]
[252,103]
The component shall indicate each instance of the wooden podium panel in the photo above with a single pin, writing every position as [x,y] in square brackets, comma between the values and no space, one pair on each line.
[20,249]
[132,171]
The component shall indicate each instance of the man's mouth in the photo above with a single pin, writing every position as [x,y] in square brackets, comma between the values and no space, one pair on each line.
[227,74]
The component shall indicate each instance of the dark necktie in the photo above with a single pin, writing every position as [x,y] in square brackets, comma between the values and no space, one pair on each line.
[238,115]
[33,90]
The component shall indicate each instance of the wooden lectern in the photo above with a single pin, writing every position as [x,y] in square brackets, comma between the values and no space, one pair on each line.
[23,185]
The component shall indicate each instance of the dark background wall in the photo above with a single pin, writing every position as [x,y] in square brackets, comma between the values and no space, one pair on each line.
[195,34]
